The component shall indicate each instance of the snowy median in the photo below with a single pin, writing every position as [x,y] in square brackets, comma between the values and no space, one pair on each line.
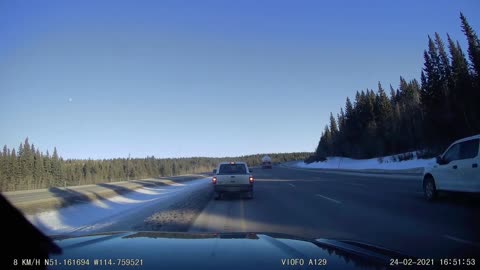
[39,200]
[137,209]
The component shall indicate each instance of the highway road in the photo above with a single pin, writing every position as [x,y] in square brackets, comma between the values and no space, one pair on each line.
[384,210]
[389,211]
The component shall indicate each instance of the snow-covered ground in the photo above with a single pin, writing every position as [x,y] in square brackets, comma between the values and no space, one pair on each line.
[127,209]
[361,164]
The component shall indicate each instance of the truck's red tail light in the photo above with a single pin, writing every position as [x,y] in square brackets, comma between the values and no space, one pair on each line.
[250,179]
[214,180]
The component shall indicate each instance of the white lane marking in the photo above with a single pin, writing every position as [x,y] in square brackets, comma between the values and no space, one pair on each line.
[461,240]
[296,180]
[327,198]
[273,180]
[291,185]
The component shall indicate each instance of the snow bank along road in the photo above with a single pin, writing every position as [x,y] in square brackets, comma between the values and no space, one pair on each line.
[380,164]
[385,211]
[32,201]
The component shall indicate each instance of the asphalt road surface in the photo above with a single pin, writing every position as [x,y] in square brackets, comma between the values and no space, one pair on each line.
[389,211]
[384,210]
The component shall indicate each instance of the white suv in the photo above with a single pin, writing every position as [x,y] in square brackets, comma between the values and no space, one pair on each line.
[456,170]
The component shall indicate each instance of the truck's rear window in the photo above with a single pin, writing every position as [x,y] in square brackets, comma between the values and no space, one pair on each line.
[232,169]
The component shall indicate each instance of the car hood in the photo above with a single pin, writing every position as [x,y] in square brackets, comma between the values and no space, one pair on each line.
[219,251]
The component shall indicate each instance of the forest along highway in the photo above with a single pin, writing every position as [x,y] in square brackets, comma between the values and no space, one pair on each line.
[387,211]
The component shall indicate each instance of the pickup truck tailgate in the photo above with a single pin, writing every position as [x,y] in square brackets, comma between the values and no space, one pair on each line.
[237,179]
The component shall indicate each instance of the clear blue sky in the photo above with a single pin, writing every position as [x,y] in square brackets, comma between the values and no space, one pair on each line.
[102,79]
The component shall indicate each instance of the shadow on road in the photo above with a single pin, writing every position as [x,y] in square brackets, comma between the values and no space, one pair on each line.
[117,189]
[68,196]
[120,190]
[148,183]
[460,199]
[233,197]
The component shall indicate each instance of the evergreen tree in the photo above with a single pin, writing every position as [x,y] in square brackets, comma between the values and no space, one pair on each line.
[26,163]
[38,170]
[383,114]
[444,64]
[333,136]
[433,113]
[48,170]
[473,45]
[341,141]
[393,96]
[56,171]
[474,90]
[433,98]
[13,171]
[3,167]
[461,88]
[333,125]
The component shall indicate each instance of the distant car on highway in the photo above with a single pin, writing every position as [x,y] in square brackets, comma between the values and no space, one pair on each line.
[266,162]
[233,177]
[457,169]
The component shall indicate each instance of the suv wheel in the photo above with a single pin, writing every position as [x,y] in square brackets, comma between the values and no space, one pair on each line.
[429,189]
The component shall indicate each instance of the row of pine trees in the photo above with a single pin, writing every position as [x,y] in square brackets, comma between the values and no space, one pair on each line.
[27,168]
[429,115]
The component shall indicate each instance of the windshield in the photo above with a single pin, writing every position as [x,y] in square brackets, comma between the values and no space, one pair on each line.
[232,169]
[314,119]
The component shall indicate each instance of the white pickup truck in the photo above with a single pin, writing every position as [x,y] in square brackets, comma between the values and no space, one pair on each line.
[232,177]
[456,170]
